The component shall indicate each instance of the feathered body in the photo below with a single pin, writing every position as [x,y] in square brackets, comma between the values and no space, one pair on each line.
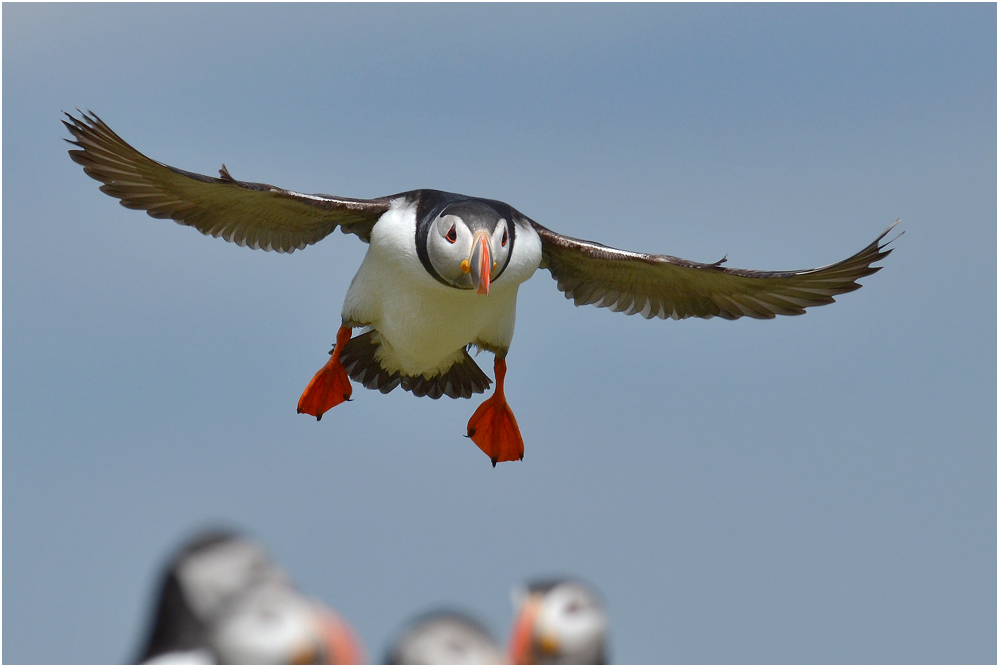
[423,326]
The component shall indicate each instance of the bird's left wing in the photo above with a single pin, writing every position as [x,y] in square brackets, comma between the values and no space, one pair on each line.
[670,287]
[250,214]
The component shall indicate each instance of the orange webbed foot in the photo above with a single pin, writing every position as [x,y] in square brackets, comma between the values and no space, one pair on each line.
[493,427]
[330,386]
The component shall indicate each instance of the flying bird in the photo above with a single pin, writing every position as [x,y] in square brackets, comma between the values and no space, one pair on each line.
[441,275]
[558,621]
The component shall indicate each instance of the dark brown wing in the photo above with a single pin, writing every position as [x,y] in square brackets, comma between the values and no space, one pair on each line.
[250,214]
[669,287]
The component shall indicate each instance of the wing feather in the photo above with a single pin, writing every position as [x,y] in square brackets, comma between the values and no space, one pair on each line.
[257,215]
[664,286]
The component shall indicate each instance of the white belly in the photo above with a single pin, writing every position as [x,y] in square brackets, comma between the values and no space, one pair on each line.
[423,323]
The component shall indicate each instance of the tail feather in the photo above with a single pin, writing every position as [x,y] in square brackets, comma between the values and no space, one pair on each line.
[462,380]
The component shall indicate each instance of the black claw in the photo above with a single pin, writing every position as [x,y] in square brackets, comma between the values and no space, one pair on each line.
[494,463]
[319,417]
[347,397]
[521,458]
[472,432]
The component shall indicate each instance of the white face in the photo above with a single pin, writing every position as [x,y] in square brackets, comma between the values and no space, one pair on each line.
[271,624]
[572,623]
[455,250]
[448,641]
[211,577]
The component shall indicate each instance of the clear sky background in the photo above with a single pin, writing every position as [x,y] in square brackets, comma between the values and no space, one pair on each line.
[811,489]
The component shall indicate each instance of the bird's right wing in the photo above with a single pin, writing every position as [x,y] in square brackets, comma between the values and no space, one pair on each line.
[250,214]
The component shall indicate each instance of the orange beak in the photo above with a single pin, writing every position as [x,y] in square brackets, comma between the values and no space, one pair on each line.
[340,643]
[481,263]
[520,648]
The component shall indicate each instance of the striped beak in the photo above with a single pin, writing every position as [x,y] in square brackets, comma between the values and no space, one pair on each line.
[481,262]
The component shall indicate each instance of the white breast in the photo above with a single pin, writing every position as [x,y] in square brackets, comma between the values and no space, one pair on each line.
[424,324]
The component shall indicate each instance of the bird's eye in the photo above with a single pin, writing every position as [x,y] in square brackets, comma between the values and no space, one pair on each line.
[452,236]
[503,242]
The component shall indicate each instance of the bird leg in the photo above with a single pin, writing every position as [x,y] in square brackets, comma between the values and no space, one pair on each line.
[330,386]
[493,427]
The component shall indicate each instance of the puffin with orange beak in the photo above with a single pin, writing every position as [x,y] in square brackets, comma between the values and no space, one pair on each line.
[223,600]
[558,621]
[441,275]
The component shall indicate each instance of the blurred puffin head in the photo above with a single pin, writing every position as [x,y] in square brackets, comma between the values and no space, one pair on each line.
[444,638]
[558,621]
[224,600]
[273,623]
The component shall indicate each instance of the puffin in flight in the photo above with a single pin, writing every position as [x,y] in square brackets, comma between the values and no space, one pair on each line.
[441,275]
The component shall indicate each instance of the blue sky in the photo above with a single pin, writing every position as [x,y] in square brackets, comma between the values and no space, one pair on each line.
[810,489]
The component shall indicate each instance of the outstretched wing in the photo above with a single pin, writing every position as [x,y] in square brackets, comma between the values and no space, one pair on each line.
[250,214]
[669,287]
